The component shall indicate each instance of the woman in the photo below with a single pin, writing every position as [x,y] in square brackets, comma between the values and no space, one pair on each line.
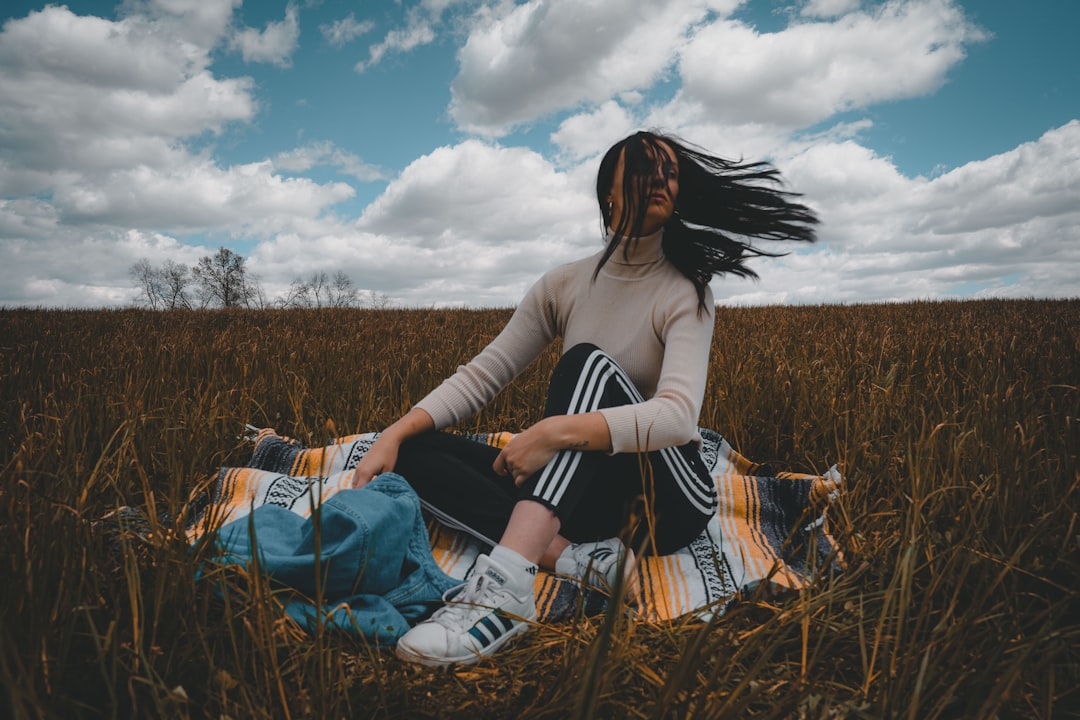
[620,423]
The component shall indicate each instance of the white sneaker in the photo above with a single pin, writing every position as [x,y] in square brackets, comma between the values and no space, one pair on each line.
[485,613]
[596,564]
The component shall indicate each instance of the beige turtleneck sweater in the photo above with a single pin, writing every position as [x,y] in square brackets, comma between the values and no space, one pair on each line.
[640,310]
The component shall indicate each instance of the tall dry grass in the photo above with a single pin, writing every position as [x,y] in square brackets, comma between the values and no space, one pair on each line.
[956,423]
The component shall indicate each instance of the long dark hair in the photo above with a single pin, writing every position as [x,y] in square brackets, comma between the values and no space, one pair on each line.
[721,207]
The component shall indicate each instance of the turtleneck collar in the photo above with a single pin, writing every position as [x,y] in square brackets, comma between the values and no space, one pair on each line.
[644,250]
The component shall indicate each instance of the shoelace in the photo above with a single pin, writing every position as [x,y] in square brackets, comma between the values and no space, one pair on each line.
[474,598]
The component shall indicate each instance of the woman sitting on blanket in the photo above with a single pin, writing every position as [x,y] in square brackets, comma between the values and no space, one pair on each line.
[621,417]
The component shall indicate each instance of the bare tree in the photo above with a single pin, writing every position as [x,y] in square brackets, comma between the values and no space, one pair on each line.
[304,293]
[297,296]
[223,280]
[175,279]
[320,290]
[319,284]
[256,295]
[379,301]
[148,278]
[342,292]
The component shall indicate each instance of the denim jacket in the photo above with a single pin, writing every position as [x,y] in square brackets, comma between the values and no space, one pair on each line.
[377,571]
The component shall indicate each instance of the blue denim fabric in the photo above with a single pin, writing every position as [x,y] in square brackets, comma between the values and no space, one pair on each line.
[377,571]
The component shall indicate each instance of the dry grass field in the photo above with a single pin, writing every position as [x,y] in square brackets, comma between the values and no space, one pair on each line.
[957,425]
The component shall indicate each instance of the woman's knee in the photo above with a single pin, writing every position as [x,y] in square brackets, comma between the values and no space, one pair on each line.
[574,359]
[587,363]
[578,359]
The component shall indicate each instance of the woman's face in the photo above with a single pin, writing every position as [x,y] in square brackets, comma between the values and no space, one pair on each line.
[661,187]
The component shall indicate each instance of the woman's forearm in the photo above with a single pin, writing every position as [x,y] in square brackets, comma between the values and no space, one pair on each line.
[411,424]
[587,431]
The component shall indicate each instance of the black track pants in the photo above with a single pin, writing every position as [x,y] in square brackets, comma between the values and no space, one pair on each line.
[594,494]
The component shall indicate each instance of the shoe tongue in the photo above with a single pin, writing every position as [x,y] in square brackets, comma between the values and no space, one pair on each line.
[495,575]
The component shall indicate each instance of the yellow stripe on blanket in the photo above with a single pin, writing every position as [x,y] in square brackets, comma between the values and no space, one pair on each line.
[664,593]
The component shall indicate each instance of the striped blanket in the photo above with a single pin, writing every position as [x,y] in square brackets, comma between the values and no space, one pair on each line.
[769,527]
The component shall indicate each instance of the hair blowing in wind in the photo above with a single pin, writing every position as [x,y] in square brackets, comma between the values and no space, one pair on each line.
[721,208]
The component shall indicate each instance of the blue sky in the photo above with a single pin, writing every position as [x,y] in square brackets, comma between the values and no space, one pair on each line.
[441,152]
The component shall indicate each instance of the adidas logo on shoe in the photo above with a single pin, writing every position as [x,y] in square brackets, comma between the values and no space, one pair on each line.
[491,628]
[601,553]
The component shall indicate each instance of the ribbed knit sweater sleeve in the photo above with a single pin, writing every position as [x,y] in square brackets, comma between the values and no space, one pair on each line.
[531,328]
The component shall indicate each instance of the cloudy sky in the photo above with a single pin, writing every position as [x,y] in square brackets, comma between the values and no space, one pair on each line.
[443,152]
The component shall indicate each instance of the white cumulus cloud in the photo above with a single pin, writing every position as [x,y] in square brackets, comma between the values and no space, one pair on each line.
[484,194]
[828,8]
[812,70]
[521,62]
[343,31]
[274,44]
[327,153]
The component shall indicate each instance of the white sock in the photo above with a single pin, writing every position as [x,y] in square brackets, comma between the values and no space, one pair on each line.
[521,570]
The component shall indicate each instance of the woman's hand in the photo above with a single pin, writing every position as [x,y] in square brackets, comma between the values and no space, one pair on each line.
[534,448]
[527,452]
[382,456]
